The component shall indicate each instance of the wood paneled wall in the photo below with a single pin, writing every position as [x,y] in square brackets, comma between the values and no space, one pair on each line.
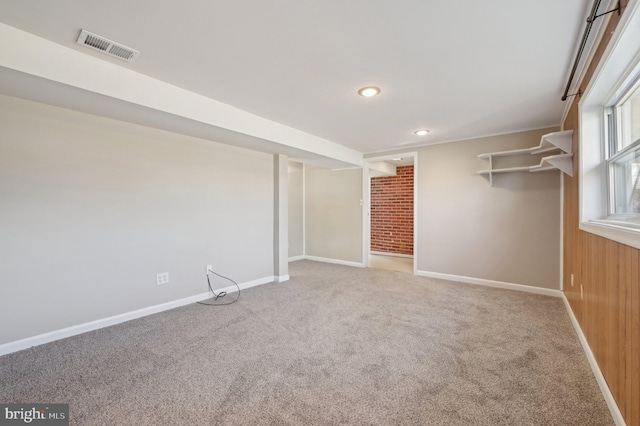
[608,310]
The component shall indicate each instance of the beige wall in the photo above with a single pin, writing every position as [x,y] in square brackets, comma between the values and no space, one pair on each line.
[333,214]
[91,209]
[509,232]
[296,210]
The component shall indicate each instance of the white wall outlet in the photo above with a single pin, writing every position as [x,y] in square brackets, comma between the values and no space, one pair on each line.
[209,268]
[162,278]
[571,280]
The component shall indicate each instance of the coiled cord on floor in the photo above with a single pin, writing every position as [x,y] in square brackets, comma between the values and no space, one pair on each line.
[210,301]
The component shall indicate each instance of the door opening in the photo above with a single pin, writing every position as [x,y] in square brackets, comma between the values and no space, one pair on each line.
[391,230]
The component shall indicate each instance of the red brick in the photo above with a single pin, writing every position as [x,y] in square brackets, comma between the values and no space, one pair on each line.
[392,212]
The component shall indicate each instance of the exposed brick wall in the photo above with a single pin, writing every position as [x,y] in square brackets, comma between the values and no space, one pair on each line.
[392,212]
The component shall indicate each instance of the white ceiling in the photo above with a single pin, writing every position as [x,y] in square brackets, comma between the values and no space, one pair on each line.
[461,69]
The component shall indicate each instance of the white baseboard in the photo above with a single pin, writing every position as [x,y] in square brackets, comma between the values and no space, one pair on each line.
[336,261]
[491,283]
[602,382]
[282,278]
[249,284]
[296,258]
[51,336]
[244,286]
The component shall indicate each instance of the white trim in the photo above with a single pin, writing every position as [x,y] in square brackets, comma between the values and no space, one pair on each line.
[74,330]
[366,214]
[97,324]
[398,149]
[248,284]
[296,258]
[624,235]
[561,232]
[415,211]
[620,63]
[341,169]
[367,207]
[336,261]
[304,209]
[602,382]
[282,278]
[254,283]
[491,283]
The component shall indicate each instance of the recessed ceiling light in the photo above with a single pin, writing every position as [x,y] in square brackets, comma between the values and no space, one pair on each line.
[369,91]
[421,132]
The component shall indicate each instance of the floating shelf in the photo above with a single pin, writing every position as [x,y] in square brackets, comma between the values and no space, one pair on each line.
[532,150]
[556,141]
[506,170]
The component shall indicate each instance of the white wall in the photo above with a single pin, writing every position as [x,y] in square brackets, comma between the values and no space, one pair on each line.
[296,210]
[333,214]
[91,209]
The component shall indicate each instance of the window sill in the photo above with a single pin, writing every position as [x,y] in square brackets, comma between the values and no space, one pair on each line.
[625,233]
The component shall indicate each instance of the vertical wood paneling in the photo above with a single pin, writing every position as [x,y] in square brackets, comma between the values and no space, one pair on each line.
[625,268]
[572,236]
[612,308]
[628,356]
[579,255]
[609,313]
[633,337]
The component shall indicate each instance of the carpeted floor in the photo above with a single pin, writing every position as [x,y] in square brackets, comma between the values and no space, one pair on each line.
[334,345]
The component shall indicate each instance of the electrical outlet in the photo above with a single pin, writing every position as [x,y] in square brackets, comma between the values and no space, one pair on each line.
[571,280]
[209,268]
[162,278]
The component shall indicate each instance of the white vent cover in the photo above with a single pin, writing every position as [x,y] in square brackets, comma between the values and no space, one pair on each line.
[107,46]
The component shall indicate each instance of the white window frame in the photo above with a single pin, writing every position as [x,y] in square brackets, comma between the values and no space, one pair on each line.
[613,137]
[618,68]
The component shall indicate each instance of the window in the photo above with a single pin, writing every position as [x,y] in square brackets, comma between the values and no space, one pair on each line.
[609,111]
[623,162]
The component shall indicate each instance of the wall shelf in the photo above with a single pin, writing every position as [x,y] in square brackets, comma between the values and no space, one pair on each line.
[559,142]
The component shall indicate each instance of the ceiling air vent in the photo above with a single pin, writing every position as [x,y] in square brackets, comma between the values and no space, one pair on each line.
[107,46]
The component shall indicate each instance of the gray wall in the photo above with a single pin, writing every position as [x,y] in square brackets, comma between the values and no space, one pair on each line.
[333,214]
[509,232]
[91,209]
[296,210]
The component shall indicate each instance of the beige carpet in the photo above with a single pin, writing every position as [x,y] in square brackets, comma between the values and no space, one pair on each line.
[334,345]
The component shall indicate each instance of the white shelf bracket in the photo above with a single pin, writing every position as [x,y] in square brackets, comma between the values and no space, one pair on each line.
[561,140]
[562,162]
[548,143]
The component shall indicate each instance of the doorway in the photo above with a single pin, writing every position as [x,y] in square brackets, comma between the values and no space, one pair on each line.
[391,206]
